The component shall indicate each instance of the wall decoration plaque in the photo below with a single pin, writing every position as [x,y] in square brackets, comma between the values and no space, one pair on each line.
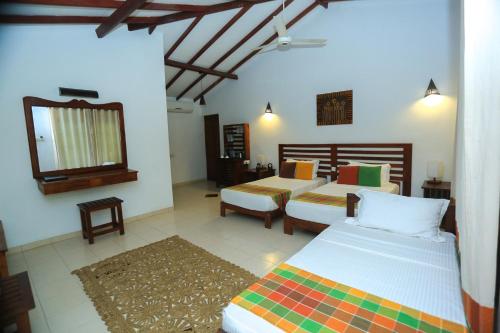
[334,108]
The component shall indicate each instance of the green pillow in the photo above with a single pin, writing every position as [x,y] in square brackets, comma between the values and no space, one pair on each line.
[369,176]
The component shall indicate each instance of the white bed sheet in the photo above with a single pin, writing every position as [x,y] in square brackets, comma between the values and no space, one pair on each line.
[327,214]
[418,273]
[265,203]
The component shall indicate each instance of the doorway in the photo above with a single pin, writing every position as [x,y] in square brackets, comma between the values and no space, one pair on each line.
[212,145]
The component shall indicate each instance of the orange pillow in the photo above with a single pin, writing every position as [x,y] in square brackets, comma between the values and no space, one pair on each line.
[304,170]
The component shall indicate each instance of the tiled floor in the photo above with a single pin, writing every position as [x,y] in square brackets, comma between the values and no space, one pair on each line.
[61,304]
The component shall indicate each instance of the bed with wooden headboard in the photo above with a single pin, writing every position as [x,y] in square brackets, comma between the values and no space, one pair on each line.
[245,203]
[399,155]
[331,156]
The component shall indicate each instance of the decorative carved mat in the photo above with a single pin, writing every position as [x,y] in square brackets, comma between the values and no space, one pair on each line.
[168,286]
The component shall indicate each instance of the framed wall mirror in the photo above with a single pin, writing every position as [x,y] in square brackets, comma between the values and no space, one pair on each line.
[75,137]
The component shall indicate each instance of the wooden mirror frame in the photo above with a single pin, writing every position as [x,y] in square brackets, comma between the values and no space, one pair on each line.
[30,101]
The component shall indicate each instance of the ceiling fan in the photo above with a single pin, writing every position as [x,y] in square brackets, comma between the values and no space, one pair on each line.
[285,41]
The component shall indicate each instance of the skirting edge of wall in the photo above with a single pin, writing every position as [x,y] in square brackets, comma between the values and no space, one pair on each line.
[189,182]
[55,239]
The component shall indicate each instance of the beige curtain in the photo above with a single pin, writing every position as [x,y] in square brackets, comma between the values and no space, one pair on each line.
[85,137]
[72,130]
[478,159]
[107,137]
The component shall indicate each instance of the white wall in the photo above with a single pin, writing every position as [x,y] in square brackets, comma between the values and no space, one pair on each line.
[125,67]
[187,146]
[386,51]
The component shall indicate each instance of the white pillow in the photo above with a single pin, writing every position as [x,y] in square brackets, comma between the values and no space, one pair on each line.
[410,216]
[315,167]
[385,172]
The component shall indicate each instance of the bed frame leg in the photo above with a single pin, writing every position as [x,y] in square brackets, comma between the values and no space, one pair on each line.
[222,209]
[287,226]
[268,220]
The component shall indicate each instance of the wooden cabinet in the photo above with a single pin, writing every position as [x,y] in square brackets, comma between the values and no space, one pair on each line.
[230,171]
[237,141]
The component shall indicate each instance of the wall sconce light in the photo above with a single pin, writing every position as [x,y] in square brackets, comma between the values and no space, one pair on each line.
[268,108]
[78,92]
[431,89]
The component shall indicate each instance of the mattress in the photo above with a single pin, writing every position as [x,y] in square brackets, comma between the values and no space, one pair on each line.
[414,272]
[265,203]
[328,214]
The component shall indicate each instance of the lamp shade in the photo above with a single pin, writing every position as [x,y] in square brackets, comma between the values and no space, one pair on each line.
[435,169]
[268,108]
[431,89]
[261,158]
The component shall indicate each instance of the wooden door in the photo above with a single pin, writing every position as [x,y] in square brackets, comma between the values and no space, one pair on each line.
[212,144]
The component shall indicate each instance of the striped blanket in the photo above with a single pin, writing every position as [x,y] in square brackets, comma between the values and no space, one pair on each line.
[322,199]
[279,196]
[298,301]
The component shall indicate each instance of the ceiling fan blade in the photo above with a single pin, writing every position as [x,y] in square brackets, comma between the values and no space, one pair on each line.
[279,25]
[309,41]
[305,46]
[263,47]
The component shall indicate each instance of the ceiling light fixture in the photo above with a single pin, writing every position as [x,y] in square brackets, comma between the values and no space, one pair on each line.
[202,98]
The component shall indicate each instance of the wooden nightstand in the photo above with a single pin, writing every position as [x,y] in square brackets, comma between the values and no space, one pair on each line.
[250,175]
[437,191]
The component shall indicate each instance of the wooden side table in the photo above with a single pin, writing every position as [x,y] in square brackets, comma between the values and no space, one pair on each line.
[437,191]
[113,203]
[250,175]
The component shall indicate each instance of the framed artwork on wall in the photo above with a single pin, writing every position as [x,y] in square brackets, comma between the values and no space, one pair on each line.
[334,108]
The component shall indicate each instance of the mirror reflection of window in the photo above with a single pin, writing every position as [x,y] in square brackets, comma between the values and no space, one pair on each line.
[76,138]
[47,157]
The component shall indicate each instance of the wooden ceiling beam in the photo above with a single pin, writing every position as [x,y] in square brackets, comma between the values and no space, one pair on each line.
[297,18]
[114,4]
[323,3]
[217,8]
[226,55]
[212,40]
[118,16]
[199,69]
[54,19]
[182,37]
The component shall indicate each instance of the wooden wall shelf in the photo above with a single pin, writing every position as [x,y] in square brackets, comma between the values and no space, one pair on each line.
[87,180]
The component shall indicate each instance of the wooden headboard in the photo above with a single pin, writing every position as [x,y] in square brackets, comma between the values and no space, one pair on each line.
[398,155]
[331,155]
[321,152]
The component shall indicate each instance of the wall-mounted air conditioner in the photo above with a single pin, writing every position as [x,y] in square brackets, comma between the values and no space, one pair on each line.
[181,106]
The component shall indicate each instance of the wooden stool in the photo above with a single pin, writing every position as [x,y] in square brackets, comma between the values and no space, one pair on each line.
[88,231]
[16,299]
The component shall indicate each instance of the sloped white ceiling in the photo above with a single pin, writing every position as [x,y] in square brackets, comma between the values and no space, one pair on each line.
[203,32]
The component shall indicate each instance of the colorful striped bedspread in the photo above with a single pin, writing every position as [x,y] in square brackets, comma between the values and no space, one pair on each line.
[322,199]
[298,301]
[279,196]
